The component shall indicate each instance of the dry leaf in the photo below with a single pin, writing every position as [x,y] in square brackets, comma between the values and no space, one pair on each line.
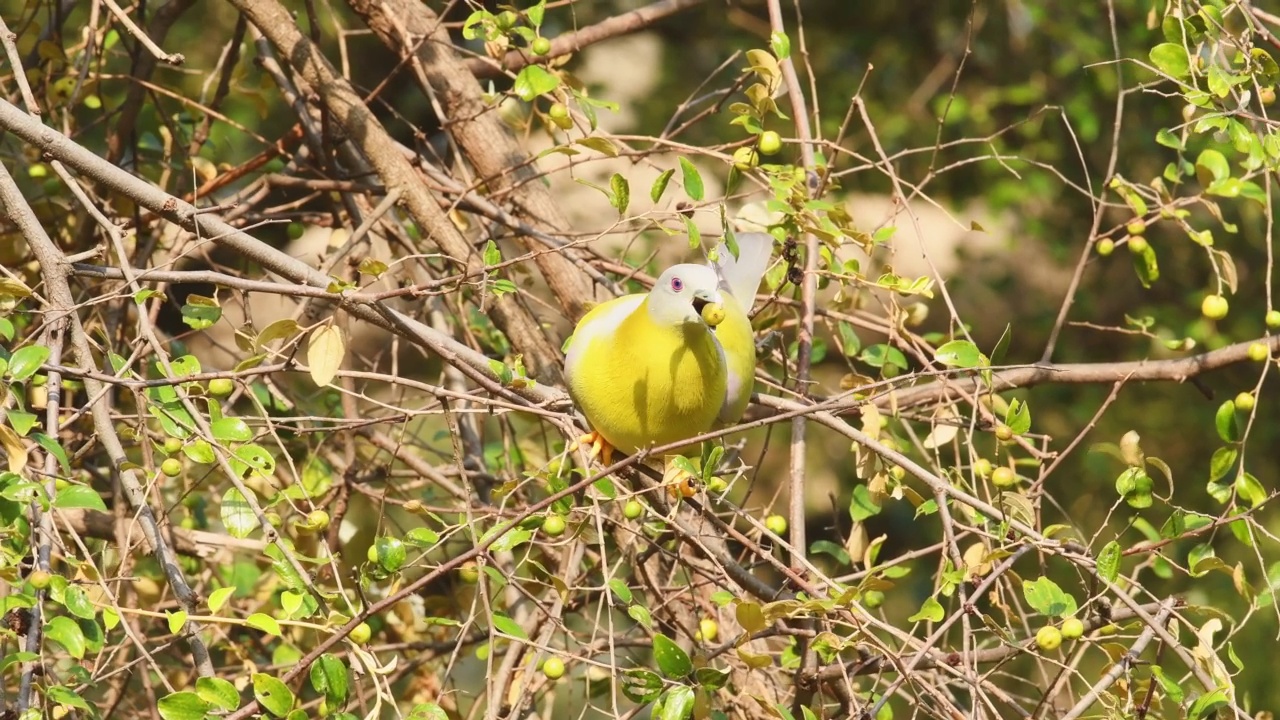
[324,354]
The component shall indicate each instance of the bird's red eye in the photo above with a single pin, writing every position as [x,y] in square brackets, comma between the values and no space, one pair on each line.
[677,284]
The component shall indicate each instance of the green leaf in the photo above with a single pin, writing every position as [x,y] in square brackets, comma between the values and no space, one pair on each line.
[750,616]
[695,237]
[422,537]
[849,339]
[507,626]
[66,696]
[176,620]
[1135,485]
[1165,137]
[671,659]
[619,588]
[54,448]
[492,255]
[1248,487]
[1226,423]
[930,611]
[677,703]
[1170,686]
[862,505]
[263,622]
[640,685]
[780,44]
[599,144]
[620,198]
[641,615]
[231,429]
[534,80]
[329,678]
[201,312]
[660,185]
[236,514]
[1171,59]
[1223,460]
[77,602]
[184,705]
[1046,598]
[272,694]
[959,353]
[1018,416]
[22,422]
[1208,704]
[1211,167]
[79,496]
[390,553]
[692,180]
[26,361]
[1109,561]
[428,711]
[67,633]
[1146,266]
[218,692]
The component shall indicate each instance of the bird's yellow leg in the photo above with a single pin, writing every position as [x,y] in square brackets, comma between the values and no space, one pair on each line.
[677,477]
[599,447]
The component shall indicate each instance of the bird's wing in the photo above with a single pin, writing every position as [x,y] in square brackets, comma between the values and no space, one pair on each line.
[602,320]
[741,276]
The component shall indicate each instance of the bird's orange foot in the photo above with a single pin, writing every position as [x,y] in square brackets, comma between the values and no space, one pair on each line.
[678,479]
[599,447]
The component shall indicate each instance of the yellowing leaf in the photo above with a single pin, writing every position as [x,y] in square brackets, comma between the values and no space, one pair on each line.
[324,354]
[13,448]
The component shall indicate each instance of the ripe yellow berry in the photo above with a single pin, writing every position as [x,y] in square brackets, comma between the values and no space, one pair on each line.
[1003,477]
[1138,244]
[745,158]
[1244,402]
[1072,628]
[1214,307]
[709,629]
[1106,246]
[776,524]
[1258,352]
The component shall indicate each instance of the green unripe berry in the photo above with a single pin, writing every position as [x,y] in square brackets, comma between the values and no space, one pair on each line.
[745,158]
[632,510]
[361,633]
[172,445]
[1049,638]
[770,142]
[1137,226]
[1138,244]
[982,467]
[1004,433]
[1273,319]
[1072,628]
[553,668]
[558,111]
[1106,246]
[540,46]
[554,525]
[171,467]
[221,386]
[1244,402]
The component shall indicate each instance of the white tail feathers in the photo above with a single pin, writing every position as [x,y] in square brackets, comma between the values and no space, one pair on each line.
[741,276]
